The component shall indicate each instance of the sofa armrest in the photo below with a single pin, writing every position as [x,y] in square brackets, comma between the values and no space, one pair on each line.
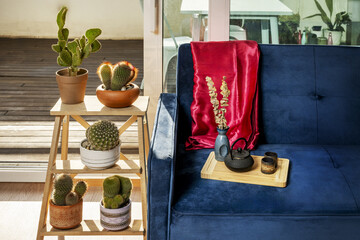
[161,163]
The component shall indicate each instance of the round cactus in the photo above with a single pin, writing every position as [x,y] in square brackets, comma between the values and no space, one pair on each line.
[107,202]
[111,187]
[63,184]
[80,188]
[71,198]
[103,135]
[105,73]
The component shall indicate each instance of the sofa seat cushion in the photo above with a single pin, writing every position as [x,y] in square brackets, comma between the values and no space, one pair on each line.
[315,185]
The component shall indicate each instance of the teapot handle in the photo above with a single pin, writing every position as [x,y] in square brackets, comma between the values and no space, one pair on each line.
[246,143]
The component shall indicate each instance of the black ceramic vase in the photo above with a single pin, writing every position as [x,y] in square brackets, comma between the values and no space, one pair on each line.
[222,145]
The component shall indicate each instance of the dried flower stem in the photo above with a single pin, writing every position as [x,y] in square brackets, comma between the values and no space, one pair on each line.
[225,92]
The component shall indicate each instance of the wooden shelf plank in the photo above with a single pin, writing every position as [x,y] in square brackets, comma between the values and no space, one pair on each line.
[93,227]
[77,167]
[92,106]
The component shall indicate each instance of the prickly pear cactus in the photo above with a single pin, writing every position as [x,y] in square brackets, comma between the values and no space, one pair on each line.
[103,135]
[71,54]
[80,188]
[105,73]
[71,198]
[111,186]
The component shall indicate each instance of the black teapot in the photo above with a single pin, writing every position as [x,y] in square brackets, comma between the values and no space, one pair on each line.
[240,159]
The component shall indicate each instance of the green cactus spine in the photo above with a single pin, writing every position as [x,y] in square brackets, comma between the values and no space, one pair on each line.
[71,198]
[71,54]
[58,199]
[126,187]
[121,76]
[105,73]
[80,188]
[111,186]
[63,184]
[103,135]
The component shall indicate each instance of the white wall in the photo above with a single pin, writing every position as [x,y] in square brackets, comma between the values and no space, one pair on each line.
[118,19]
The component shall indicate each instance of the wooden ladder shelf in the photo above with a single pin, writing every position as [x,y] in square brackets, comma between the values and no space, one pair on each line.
[91,106]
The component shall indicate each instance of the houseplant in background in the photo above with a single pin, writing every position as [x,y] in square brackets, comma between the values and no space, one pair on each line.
[67,202]
[72,80]
[117,89]
[334,27]
[101,148]
[115,207]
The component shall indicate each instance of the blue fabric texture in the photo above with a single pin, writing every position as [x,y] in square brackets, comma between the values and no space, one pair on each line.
[309,113]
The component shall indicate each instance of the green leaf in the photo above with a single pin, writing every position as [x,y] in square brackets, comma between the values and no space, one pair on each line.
[72,46]
[60,19]
[65,33]
[87,50]
[329,4]
[56,48]
[82,41]
[61,63]
[66,57]
[95,46]
[318,14]
[324,17]
[92,33]
[62,44]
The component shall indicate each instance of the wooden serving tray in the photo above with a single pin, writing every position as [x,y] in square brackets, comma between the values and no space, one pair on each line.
[216,170]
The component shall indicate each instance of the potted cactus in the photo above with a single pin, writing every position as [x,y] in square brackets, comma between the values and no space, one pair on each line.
[67,202]
[115,207]
[117,89]
[101,148]
[72,80]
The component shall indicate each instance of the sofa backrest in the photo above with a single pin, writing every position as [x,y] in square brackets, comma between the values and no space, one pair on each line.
[308,94]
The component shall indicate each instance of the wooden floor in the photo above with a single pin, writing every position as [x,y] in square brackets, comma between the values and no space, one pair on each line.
[28,90]
[20,209]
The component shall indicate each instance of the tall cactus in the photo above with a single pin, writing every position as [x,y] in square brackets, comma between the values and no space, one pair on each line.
[120,74]
[71,54]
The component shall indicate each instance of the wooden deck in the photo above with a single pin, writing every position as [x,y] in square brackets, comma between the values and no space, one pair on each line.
[28,90]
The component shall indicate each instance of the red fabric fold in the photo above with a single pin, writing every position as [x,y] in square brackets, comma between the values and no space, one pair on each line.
[238,61]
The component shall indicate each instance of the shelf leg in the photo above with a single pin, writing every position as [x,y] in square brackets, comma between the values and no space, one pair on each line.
[65,138]
[49,176]
[147,140]
[143,172]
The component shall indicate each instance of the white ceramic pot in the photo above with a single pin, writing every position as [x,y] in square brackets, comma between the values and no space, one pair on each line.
[336,36]
[99,160]
[115,219]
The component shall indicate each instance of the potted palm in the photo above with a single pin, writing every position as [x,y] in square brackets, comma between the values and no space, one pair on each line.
[72,80]
[66,204]
[101,148]
[334,27]
[117,89]
[115,207]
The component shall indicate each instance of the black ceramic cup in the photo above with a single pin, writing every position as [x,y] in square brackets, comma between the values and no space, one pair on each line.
[274,156]
[268,165]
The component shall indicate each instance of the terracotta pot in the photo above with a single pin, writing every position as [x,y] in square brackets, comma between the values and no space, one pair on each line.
[117,99]
[65,217]
[72,88]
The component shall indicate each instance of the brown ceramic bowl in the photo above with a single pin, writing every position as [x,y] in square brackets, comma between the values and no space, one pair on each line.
[117,99]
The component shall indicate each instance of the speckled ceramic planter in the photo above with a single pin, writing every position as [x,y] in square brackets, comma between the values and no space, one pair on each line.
[115,219]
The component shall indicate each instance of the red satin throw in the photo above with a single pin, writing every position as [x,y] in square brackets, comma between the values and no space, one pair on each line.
[238,61]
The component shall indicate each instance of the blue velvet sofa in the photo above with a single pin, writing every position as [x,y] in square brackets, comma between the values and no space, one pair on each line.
[310,113]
